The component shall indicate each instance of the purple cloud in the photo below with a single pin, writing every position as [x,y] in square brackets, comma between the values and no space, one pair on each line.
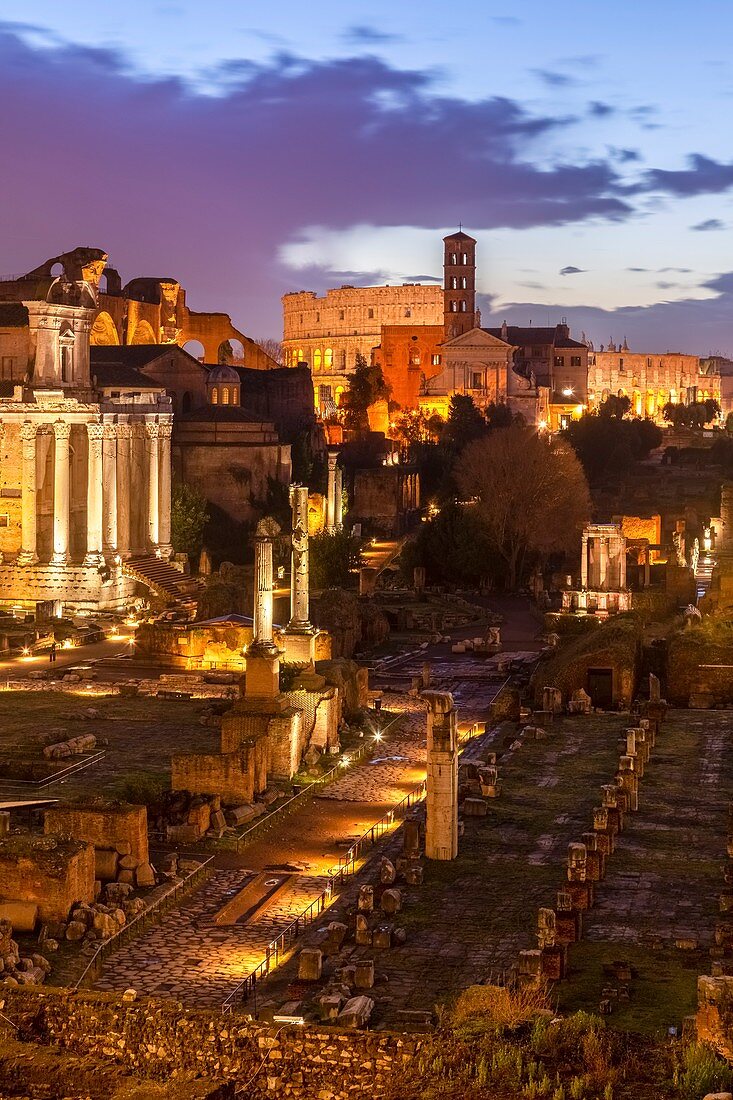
[703,176]
[570,270]
[209,187]
[364,35]
[708,226]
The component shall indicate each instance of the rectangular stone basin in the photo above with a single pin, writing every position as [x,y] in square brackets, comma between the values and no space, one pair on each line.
[255,898]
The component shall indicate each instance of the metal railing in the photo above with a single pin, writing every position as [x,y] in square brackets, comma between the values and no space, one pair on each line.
[347,864]
[142,921]
[268,821]
[55,777]
[279,947]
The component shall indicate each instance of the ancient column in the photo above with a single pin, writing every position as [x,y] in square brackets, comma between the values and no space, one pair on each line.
[602,562]
[262,639]
[164,495]
[94,556]
[109,488]
[152,430]
[339,499]
[62,434]
[331,496]
[299,602]
[584,562]
[124,474]
[441,830]
[28,434]
[621,545]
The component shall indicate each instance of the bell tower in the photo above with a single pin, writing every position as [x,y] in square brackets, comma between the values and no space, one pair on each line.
[459,284]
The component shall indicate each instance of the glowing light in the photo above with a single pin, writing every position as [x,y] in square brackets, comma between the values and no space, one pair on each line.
[378,736]
[542,425]
[26,651]
[567,392]
[67,644]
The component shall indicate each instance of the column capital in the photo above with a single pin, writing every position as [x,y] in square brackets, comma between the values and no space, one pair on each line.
[152,429]
[62,430]
[28,431]
[110,429]
[125,431]
[95,432]
[165,429]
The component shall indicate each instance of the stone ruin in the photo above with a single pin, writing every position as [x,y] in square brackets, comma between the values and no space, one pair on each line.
[603,587]
[270,732]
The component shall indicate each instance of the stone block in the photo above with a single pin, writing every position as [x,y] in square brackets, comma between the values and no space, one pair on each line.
[414,874]
[182,834]
[145,876]
[75,930]
[382,937]
[364,974]
[356,1012]
[391,901]
[310,962]
[23,915]
[387,872]
[329,1005]
[105,864]
[475,807]
[335,934]
[411,837]
[366,899]
[239,815]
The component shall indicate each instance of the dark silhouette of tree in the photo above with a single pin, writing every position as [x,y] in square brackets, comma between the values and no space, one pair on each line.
[366,385]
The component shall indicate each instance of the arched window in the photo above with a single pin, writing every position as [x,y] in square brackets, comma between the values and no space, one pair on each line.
[454,257]
[339,394]
[328,359]
[463,307]
[66,354]
[454,282]
[186,402]
[225,395]
[214,396]
[454,307]
[317,359]
[465,258]
[464,282]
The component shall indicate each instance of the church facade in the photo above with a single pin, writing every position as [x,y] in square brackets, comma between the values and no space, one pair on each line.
[85,462]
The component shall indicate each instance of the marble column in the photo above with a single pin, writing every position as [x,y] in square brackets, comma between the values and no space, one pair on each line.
[62,435]
[602,563]
[621,550]
[109,489]
[339,499]
[29,493]
[263,643]
[124,474]
[164,497]
[584,562]
[152,430]
[441,821]
[331,493]
[95,434]
[299,572]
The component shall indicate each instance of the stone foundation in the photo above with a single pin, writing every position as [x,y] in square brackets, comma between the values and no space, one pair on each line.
[80,587]
[115,825]
[54,872]
[160,1038]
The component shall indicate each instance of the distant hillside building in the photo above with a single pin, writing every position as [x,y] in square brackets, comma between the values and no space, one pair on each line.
[649,379]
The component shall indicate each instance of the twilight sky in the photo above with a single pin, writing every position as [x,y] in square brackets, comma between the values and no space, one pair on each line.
[249,149]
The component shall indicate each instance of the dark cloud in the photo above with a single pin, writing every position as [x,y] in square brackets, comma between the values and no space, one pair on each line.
[703,176]
[637,268]
[368,36]
[423,279]
[600,110]
[710,225]
[570,270]
[209,187]
[554,79]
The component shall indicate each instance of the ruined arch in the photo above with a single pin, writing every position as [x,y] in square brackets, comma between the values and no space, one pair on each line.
[196,349]
[231,351]
[143,334]
[104,331]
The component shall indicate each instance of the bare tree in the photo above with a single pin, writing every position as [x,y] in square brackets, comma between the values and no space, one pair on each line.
[273,348]
[530,493]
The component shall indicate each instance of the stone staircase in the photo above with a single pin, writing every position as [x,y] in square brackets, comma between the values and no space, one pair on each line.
[163,579]
[703,574]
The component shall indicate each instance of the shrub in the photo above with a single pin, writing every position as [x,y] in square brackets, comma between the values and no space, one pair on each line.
[702,1072]
[495,1010]
[140,788]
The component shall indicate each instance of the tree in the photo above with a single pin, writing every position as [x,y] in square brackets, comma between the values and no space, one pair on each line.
[695,415]
[465,422]
[530,494]
[608,445]
[366,385]
[273,348]
[499,415]
[454,547]
[332,558]
[617,406]
[189,516]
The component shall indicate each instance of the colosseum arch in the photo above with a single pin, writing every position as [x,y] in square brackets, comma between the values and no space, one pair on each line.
[196,349]
[143,334]
[103,331]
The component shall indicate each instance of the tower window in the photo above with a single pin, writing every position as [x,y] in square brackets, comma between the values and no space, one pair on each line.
[371,314]
[225,396]
[66,362]
[435,360]
[454,283]
[408,312]
[464,283]
[465,259]
[214,396]
[454,257]
[463,306]
[575,361]
[454,307]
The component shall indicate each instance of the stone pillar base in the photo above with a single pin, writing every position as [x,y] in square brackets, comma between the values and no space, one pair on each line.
[60,559]
[165,551]
[93,559]
[300,646]
[26,557]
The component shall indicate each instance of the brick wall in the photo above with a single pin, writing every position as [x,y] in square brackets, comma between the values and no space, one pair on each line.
[105,827]
[54,878]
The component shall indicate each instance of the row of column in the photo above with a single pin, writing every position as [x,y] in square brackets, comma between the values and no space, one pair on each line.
[603,548]
[335,495]
[109,484]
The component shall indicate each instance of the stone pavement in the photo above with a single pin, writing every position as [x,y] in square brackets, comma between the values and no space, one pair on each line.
[187,956]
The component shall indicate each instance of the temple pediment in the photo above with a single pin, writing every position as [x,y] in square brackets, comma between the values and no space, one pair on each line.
[480,339]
